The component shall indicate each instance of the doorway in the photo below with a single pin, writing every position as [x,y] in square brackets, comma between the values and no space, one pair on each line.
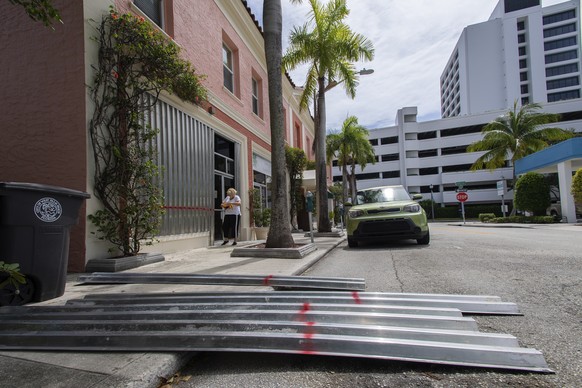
[224,178]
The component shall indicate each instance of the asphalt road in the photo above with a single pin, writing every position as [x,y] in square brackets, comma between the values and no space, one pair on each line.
[538,268]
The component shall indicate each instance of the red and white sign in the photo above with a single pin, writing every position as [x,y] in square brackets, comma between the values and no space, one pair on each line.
[462,197]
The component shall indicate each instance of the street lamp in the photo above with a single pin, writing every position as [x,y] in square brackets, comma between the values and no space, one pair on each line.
[365,71]
[502,195]
[431,201]
[333,84]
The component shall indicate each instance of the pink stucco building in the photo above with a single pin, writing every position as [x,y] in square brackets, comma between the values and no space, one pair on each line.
[45,110]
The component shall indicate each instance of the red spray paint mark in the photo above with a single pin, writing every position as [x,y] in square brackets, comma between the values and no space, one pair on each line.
[267,280]
[308,334]
[356,297]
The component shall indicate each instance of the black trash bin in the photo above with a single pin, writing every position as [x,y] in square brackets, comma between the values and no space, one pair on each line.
[35,221]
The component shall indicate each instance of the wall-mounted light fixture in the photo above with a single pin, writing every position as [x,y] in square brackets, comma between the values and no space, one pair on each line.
[211,110]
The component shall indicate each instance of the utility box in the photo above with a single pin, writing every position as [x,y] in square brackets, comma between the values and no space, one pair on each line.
[35,221]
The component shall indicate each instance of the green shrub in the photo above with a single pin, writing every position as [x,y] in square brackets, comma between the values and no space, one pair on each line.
[532,193]
[486,217]
[524,220]
[577,186]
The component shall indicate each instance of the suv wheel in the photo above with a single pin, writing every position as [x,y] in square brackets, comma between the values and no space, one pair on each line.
[425,240]
[352,243]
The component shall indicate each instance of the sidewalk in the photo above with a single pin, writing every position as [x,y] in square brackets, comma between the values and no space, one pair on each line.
[92,369]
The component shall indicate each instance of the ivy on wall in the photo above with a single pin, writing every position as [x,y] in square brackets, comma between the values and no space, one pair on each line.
[136,64]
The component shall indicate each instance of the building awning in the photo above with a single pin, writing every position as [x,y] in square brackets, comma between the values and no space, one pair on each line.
[546,161]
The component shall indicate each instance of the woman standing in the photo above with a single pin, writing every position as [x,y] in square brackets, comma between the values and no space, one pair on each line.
[230,225]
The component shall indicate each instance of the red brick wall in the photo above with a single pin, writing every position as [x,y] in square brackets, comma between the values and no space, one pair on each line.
[42,104]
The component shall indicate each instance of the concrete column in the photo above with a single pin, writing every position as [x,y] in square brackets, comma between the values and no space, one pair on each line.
[566,198]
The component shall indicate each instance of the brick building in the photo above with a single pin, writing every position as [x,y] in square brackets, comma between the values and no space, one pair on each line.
[45,109]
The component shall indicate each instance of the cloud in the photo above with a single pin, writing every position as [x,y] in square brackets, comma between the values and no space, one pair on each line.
[413,40]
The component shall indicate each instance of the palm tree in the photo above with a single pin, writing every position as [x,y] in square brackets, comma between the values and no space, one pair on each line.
[518,133]
[280,231]
[351,146]
[331,47]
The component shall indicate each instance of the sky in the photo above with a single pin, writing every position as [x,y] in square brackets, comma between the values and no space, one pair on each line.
[413,40]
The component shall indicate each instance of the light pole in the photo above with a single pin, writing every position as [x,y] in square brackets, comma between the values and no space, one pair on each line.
[503,195]
[431,202]
[333,84]
[329,86]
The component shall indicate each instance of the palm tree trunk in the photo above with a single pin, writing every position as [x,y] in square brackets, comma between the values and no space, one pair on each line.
[323,224]
[353,181]
[280,230]
[344,183]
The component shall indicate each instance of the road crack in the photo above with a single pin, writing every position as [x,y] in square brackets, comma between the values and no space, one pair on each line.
[400,284]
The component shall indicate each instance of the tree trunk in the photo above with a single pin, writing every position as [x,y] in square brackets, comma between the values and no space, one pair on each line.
[323,224]
[344,183]
[353,189]
[280,230]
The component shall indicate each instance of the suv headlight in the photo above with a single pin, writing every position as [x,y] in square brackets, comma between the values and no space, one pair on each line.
[411,208]
[355,213]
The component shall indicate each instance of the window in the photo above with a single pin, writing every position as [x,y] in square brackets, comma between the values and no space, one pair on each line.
[548,33]
[522,63]
[391,174]
[262,183]
[428,171]
[227,68]
[559,57]
[427,153]
[523,76]
[461,130]
[374,142]
[556,44]
[516,5]
[457,168]
[524,89]
[371,175]
[389,140]
[152,8]
[524,100]
[562,83]
[520,26]
[521,51]
[564,69]
[521,38]
[569,95]
[255,96]
[390,157]
[558,17]
[427,135]
[454,150]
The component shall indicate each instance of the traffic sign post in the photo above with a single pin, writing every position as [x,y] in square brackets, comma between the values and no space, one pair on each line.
[462,197]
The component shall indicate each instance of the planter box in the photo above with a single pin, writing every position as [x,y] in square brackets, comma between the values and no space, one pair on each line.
[122,263]
[274,253]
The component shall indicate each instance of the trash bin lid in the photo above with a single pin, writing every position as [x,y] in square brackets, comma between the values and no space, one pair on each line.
[24,186]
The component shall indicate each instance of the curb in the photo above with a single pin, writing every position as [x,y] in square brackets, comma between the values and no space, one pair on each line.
[316,257]
[493,226]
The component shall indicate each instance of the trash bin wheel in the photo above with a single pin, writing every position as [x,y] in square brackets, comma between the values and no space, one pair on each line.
[18,295]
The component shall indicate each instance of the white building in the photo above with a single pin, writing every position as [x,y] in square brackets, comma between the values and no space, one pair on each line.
[523,52]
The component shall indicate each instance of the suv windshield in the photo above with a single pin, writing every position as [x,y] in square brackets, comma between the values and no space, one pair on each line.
[384,194]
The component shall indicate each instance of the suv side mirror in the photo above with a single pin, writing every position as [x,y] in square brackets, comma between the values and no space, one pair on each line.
[416,197]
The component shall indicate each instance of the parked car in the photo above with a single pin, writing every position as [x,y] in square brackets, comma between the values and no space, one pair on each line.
[555,208]
[386,212]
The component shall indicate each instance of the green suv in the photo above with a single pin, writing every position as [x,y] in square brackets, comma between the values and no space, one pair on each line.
[386,212]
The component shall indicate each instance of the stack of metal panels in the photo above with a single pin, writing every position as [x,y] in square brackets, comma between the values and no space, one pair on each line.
[410,327]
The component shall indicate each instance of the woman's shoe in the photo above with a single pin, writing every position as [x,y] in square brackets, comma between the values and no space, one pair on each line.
[234,243]
[224,242]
